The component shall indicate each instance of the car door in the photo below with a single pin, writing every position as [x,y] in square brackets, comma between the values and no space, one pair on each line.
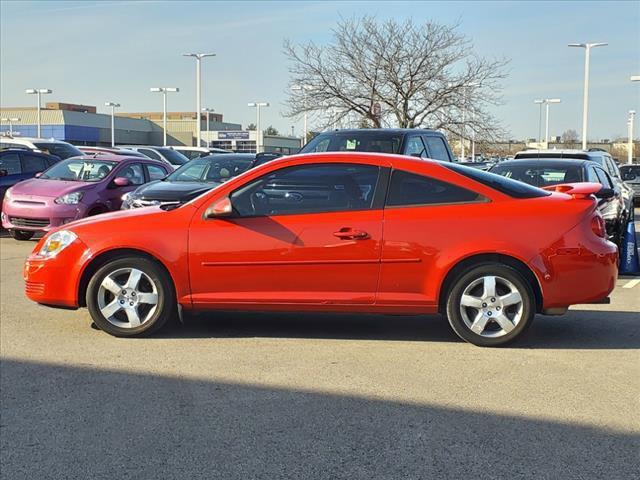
[309,234]
[132,172]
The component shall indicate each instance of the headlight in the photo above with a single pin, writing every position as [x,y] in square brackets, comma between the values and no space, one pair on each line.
[125,197]
[57,242]
[7,195]
[70,198]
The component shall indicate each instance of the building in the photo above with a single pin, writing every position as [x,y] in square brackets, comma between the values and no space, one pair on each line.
[82,125]
[245,141]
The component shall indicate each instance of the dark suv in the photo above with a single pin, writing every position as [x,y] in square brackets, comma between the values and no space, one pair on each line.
[419,143]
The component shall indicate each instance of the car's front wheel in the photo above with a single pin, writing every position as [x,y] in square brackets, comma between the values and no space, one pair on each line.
[21,234]
[491,305]
[131,296]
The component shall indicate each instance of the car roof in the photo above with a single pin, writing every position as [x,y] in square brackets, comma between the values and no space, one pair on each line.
[117,158]
[381,130]
[550,161]
[563,152]
[29,140]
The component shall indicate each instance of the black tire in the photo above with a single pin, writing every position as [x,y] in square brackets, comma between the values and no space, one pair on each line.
[21,234]
[165,308]
[467,280]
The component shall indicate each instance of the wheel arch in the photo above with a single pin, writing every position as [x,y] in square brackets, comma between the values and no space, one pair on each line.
[103,258]
[469,262]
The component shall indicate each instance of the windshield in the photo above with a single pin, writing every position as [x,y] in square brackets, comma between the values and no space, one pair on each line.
[364,141]
[77,170]
[175,158]
[214,168]
[540,175]
[62,150]
[510,187]
[631,170]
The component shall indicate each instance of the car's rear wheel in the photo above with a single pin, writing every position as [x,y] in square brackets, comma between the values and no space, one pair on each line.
[21,234]
[491,305]
[131,296]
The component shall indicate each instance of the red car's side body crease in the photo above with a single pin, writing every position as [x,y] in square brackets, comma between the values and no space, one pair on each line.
[320,262]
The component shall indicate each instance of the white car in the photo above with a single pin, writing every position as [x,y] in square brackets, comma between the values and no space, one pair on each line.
[60,149]
[197,152]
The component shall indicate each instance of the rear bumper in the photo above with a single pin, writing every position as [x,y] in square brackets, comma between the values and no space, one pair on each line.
[39,215]
[583,274]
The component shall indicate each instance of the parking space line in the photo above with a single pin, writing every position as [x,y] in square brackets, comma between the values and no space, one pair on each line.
[632,283]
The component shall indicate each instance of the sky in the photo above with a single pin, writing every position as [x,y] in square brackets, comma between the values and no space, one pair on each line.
[92,52]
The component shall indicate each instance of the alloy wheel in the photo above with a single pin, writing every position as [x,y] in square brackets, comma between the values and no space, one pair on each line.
[491,306]
[127,297]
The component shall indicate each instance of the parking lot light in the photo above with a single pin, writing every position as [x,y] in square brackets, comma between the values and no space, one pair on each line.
[208,111]
[10,121]
[39,92]
[113,128]
[259,143]
[303,88]
[632,114]
[164,91]
[198,57]
[585,99]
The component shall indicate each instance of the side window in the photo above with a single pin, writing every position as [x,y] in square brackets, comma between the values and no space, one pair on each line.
[592,176]
[11,163]
[603,178]
[613,169]
[133,172]
[308,189]
[437,149]
[33,163]
[149,153]
[322,145]
[415,147]
[411,189]
[155,172]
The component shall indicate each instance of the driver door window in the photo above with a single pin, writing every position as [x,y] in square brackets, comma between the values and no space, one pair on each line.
[415,147]
[308,189]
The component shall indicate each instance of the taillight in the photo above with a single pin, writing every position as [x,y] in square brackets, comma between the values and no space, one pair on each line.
[597,225]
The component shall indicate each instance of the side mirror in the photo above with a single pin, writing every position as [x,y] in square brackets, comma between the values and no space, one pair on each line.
[121,182]
[220,208]
[3,173]
[605,193]
[38,175]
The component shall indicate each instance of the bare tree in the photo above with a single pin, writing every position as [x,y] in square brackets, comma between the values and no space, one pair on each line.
[396,74]
[570,137]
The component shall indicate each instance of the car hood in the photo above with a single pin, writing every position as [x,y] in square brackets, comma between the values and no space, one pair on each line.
[164,190]
[40,187]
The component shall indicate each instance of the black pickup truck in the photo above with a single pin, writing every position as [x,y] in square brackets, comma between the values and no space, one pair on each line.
[421,143]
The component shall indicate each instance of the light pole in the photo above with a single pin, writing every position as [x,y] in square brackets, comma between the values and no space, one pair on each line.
[632,114]
[10,121]
[546,102]
[39,92]
[208,111]
[113,121]
[164,91]
[585,100]
[198,57]
[303,89]
[539,102]
[257,105]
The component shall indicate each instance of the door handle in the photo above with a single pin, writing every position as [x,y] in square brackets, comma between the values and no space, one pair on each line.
[348,233]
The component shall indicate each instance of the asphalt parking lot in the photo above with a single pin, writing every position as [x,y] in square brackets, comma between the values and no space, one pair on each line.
[240,396]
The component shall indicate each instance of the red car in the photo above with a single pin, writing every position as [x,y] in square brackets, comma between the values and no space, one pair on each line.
[342,232]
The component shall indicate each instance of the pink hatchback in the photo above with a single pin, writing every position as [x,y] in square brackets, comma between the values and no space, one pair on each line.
[75,188]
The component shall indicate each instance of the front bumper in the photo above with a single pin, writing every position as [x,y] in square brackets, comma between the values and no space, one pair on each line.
[55,281]
[39,214]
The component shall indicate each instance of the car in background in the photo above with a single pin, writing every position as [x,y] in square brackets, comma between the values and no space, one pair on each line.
[164,154]
[631,176]
[17,164]
[420,143]
[110,151]
[548,172]
[599,156]
[338,232]
[72,189]
[194,178]
[60,149]
[197,152]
